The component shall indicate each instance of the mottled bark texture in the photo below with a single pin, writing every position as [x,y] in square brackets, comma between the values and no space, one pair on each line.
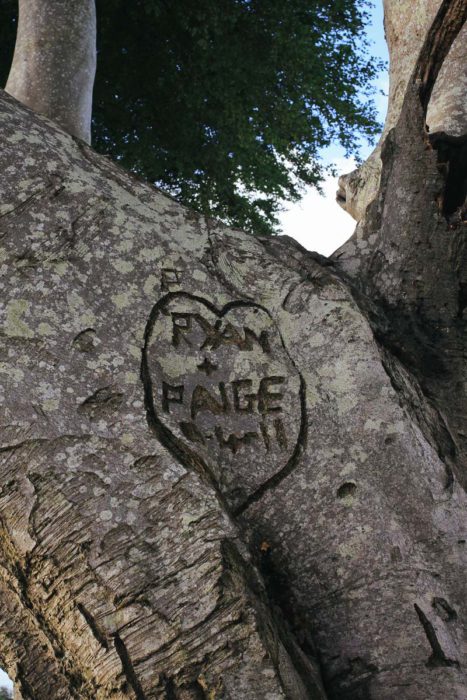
[54,62]
[406,25]
[227,465]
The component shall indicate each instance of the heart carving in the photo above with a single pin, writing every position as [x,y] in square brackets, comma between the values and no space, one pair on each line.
[222,390]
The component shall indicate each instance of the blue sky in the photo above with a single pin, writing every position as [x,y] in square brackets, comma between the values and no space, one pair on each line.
[317,222]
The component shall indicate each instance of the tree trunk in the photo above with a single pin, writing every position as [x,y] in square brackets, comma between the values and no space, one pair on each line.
[231,468]
[54,63]
[406,26]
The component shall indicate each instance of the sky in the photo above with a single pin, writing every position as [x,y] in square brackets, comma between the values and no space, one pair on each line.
[318,222]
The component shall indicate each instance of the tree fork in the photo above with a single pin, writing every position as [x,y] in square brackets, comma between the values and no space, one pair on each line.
[420,206]
[407,37]
[125,564]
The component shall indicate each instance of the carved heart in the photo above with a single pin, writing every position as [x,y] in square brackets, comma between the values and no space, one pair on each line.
[221,388]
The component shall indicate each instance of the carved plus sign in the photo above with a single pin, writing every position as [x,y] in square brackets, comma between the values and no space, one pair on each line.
[207,366]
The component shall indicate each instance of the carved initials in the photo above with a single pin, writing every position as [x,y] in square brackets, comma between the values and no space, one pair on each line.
[266,398]
[243,403]
[181,325]
[171,394]
[224,389]
[216,335]
[202,400]
[170,277]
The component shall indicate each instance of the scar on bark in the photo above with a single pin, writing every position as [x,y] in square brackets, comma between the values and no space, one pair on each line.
[438,657]
[101,401]
[444,609]
[85,341]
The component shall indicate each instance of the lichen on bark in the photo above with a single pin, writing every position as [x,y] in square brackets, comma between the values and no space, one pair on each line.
[186,534]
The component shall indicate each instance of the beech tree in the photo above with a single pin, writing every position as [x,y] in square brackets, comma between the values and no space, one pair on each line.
[224,105]
[230,467]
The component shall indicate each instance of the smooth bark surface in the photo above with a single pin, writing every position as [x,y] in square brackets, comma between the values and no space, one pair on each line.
[54,63]
[231,468]
[406,25]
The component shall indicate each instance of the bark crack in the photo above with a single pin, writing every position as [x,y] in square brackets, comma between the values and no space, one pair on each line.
[128,668]
[438,657]
[98,634]
[55,186]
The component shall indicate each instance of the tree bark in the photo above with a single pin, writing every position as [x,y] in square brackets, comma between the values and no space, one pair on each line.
[54,63]
[406,26]
[231,468]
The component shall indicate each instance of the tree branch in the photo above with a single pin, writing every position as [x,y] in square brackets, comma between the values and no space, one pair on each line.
[446,26]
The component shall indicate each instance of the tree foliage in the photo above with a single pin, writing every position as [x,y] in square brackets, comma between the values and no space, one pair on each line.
[5,693]
[226,103]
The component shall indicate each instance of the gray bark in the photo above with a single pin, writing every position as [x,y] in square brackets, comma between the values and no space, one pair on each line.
[54,62]
[231,468]
[406,25]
